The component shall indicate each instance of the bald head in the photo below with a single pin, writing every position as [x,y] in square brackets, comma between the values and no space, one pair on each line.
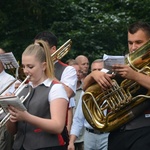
[83,63]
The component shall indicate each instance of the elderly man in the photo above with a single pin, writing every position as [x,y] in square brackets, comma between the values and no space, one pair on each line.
[93,139]
[83,63]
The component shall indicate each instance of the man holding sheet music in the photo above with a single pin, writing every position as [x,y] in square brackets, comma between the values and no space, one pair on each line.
[6,139]
[135,134]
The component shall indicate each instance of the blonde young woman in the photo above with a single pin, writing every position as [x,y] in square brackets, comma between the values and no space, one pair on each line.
[39,127]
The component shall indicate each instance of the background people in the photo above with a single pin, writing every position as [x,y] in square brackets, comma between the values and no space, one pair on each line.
[80,140]
[93,139]
[6,139]
[97,64]
[83,63]
[45,117]
[135,134]
[6,78]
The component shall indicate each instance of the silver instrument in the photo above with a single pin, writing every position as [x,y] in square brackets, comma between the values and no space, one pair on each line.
[22,99]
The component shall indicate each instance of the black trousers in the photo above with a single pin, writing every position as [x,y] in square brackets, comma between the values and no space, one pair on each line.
[79,146]
[6,139]
[50,148]
[137,139]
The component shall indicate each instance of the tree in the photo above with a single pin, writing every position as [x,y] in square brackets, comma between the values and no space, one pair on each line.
[95,27]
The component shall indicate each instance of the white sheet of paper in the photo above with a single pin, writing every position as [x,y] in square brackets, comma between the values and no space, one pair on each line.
[9,61]
[110,60]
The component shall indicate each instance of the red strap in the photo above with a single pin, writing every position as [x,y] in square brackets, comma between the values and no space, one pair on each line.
[62,63]
[37,130]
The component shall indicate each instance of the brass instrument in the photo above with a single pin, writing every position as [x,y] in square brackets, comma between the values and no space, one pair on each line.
[22,99]
[62,51]
[1,92]
[110,109]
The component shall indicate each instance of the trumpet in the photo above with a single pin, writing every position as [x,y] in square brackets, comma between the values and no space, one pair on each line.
[22,99]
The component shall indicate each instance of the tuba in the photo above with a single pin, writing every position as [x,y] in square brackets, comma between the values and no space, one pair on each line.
[110,109]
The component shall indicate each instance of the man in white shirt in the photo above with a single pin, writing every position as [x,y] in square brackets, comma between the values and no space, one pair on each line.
[6,139]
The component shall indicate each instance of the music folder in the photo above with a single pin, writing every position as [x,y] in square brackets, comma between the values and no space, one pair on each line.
[15,101]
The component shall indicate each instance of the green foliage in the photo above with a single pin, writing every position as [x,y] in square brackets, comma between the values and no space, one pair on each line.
[95,26]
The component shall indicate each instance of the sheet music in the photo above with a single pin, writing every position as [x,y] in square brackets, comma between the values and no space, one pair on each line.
[110,60]
[9,61]
[11,100]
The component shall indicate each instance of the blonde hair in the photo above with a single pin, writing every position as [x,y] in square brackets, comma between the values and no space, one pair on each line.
[41,51]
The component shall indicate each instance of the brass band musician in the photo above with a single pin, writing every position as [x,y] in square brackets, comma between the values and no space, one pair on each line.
[6,139]
[135,134]
[40,125]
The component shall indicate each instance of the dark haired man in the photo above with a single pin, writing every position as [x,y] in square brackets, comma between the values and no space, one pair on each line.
[63,73]
[135,134]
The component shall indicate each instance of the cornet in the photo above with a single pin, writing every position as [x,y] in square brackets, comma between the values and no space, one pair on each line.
[22,99]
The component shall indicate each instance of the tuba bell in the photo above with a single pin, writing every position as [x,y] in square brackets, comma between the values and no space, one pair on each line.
[110,109]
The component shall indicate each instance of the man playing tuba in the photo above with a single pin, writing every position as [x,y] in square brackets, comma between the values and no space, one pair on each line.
[135,134]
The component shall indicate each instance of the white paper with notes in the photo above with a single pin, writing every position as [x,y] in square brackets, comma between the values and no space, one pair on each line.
[110,60]
[9,61]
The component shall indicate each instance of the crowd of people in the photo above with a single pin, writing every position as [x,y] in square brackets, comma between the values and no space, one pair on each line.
[54,119]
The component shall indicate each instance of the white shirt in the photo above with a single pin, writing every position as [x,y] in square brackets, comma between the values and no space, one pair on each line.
[79,120]
[72,102]
[5,80]
[69,78]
